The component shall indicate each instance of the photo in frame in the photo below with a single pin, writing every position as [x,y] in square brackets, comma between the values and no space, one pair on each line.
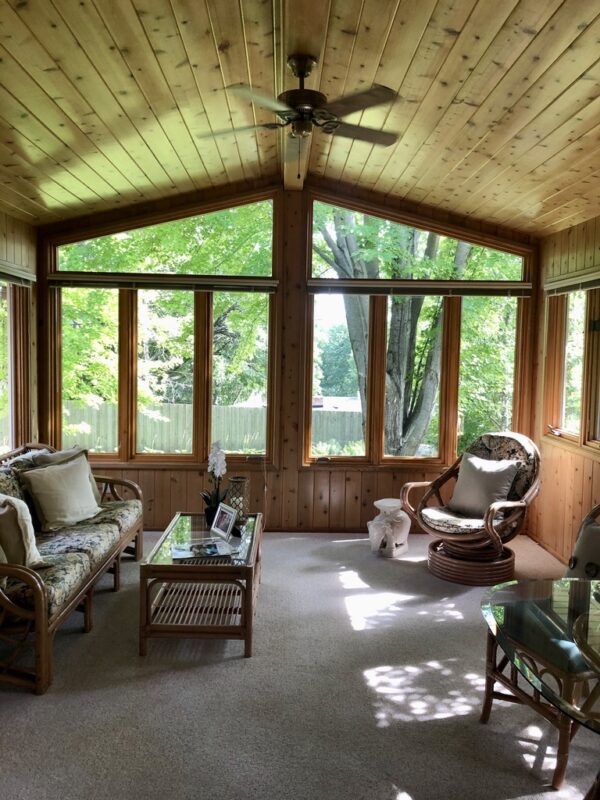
[224,521]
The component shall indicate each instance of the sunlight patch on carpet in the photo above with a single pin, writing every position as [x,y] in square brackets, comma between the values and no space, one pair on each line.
[411,692]
[373,609]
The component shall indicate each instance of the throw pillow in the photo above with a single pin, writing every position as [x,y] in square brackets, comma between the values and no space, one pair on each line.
[17,538]
[480,483]
[62,493]
[585,561]
[44,458]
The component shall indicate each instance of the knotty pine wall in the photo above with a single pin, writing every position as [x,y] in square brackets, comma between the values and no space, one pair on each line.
[570,474]
[291,496]
[18,251]
[17,246]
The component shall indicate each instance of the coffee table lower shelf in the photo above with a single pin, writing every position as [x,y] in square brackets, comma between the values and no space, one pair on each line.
[197,609]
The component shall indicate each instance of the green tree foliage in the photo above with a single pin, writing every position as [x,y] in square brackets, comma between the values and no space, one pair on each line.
[351,245]
[338,373]
[236,241]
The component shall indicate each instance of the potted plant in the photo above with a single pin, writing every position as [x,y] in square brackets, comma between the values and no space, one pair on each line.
[217,467]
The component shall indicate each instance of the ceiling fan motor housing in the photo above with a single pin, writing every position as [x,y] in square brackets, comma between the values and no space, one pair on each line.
[303,100]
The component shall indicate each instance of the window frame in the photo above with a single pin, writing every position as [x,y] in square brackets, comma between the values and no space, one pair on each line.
[451,291]
[555,329]
[128,284]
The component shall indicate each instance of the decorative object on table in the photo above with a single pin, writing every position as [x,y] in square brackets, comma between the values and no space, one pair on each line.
[388,532]
[217,467]
[224,521]
[239,498]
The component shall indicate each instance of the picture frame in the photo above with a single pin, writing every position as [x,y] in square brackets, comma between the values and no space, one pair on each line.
[224,521]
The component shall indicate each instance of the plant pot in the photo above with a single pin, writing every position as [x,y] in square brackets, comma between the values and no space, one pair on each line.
[210,512]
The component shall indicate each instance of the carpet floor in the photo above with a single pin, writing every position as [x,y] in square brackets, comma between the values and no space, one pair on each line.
[365,684]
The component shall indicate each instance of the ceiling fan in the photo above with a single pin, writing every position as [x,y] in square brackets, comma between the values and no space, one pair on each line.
[305,109]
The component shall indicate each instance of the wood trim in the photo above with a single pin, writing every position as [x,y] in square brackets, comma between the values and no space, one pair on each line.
[140,280]
[387,208]
[21,319]
[419,287]
[376,378]
[556,323]
[448,434]
[144,215]
[128,345]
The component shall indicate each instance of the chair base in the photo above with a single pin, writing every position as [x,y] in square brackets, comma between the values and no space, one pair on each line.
[471,573]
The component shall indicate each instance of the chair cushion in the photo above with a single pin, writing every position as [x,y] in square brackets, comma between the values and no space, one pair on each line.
[480,483]
[45,458]
[94,540]
[123,513]
[62,493]
[62,576]
[445,520]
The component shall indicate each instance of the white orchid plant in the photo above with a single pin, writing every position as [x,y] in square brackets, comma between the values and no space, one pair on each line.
[217,467]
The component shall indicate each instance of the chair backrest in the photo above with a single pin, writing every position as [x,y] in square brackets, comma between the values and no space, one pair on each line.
[516,447]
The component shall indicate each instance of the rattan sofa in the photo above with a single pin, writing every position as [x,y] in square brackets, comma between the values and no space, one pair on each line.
[34,603]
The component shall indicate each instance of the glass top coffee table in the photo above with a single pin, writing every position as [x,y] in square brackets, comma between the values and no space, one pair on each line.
[200,597]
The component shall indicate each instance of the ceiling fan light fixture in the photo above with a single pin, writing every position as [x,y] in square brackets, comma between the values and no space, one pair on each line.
[301,128]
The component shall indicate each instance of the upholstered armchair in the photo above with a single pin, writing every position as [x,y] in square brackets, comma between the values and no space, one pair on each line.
[476,506]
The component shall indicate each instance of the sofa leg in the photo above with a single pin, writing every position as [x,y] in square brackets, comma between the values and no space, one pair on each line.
[43,661]
[116,571]
[139,545]
[87,611]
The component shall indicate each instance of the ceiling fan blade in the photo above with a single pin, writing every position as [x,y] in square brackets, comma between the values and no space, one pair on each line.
[257,97]
[374,96]
[225,131]
[366,134]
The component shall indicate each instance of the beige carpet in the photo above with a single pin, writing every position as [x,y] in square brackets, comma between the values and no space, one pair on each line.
[366,683]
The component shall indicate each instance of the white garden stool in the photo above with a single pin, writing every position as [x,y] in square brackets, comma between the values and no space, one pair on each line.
[388,532]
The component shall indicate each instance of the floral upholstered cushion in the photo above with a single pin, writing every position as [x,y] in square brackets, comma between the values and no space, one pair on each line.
[446,521]
[124,513]
[94,540]
[63,576]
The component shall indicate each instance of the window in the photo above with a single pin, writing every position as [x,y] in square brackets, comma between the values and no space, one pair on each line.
[233,241]
[570,418]
[194,360]
[339,378]
[5,372]
[428,389]
[165,371]
[565,352]
[240,349]
[90,368]
[412,376]
[486,366]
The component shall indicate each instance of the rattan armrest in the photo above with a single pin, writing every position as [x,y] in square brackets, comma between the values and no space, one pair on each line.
[38,589]
[404,495]
[107,486]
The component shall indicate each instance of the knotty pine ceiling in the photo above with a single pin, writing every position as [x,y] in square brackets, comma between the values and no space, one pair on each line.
[107,103]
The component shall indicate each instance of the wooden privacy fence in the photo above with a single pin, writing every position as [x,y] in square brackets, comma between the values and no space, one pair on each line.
[167,428]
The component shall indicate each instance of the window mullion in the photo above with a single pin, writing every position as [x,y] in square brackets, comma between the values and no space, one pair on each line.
[203,319]
[450,368]
[376,379]
[127,392]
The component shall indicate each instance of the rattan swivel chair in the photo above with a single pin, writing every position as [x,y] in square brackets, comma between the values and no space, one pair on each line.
[471,549]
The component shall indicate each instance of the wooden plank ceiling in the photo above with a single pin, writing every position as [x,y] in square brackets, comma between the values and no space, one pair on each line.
[107,103]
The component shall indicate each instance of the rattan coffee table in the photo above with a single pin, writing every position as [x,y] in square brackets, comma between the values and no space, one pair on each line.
[200,598]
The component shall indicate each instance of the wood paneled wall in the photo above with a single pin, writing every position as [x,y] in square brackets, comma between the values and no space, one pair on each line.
[570,474]
[17,246]
[291,496]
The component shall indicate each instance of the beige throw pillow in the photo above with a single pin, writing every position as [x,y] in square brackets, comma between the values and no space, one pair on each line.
[62,493]
[45,458]
[17,537]
[480,483]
